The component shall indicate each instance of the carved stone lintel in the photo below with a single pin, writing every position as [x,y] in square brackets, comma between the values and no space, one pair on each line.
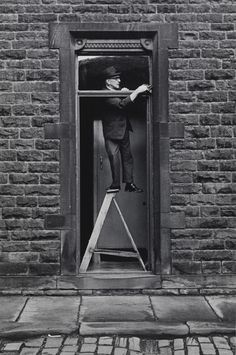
[109,44]
[80,43]
[147,43]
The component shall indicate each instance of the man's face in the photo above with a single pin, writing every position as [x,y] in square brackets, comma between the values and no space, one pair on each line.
[114,83]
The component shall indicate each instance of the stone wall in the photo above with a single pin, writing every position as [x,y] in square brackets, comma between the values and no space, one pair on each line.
[202,95]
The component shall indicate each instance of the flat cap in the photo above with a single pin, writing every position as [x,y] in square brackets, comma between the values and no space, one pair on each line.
[110,72]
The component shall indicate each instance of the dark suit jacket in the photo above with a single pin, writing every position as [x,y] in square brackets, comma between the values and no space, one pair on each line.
[115,118]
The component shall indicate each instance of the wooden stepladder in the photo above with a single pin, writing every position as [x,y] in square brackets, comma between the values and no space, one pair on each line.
[91,247]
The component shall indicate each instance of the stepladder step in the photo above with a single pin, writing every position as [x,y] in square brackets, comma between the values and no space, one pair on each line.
[116,252]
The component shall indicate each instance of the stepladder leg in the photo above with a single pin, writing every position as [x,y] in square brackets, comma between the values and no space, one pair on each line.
[96,231]
[130,236]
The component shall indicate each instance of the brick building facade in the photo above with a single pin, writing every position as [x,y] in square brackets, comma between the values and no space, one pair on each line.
[202,164]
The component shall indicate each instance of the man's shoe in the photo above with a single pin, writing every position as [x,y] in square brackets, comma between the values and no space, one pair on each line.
[131,187]
[113,188]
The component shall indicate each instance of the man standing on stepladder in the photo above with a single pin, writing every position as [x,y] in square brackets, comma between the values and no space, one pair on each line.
[116,127]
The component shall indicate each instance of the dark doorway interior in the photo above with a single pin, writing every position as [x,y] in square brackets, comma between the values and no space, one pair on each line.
[95,172]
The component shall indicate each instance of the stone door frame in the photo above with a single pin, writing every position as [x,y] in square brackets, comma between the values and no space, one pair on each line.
[69,38]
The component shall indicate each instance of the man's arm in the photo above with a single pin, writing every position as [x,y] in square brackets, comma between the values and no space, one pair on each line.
[122,103]
[142,88]
[118,102]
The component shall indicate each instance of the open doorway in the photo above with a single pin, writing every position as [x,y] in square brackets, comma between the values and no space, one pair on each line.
[95,174]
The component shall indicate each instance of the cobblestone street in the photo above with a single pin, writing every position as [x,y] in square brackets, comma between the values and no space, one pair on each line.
[68,345]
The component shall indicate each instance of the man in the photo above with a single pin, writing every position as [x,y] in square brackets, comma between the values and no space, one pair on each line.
[116,127]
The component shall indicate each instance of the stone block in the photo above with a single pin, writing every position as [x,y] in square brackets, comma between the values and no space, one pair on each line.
[181,308]
[17,212]
[211,119]
[42,190]
[222,306]
[13,269]
[31,133]
[225,352]
[43,167]
[52,342]
[207,349]
[47,144]
[178,344]
[186,165]
[49,178]
[44,98]
[208,211]
[211,267]
[105,341]
[179,352]
[71,340]
[10,310]
[206,328]
[29,351]
[143,328]
[29,155]
[104,349]
[197,132]
[186,267]
[51,351]
[208,255]
[44,268]
[19,144]
[193,350]
[116,308]
[221,27]
[25,110]
[11,190]
[229,267]
[34,343]
[70,348]
[43,75]
[62,310]
[23,201]
[6,201]
[212,96]
[186,75]
[89,340]
[13,347]
[220,342]
[224,107]
[88,348]
[120,351]
[134,344]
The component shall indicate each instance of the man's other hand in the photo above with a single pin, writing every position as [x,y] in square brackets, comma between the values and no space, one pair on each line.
[144,88]
[140,89]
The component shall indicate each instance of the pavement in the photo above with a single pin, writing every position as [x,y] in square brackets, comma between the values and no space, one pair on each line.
[128,316]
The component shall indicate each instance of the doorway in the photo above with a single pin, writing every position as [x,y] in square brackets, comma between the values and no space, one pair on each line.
[95,169]
[75,39]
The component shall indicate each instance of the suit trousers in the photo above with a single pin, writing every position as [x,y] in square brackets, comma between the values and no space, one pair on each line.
[120,149]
